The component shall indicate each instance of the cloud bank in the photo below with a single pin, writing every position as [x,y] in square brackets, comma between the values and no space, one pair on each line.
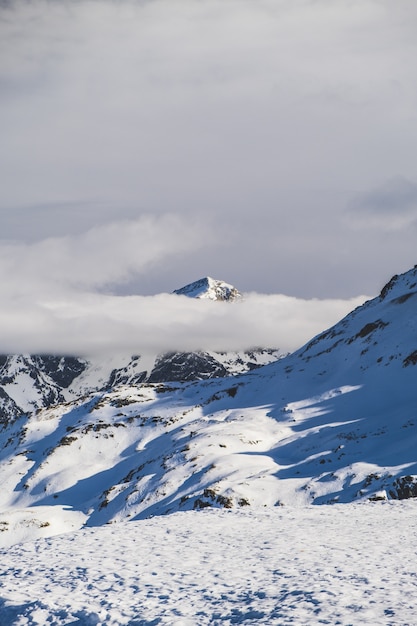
[90,324]
[56,298]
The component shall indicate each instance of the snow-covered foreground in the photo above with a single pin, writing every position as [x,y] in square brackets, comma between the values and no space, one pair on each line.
[340,564]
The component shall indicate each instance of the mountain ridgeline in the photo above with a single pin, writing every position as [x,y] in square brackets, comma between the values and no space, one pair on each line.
[334,422]
[31,382]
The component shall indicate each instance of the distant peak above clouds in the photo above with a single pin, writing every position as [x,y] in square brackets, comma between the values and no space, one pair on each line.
[211,289]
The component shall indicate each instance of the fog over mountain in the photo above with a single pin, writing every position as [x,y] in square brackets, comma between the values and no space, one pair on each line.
[60,301]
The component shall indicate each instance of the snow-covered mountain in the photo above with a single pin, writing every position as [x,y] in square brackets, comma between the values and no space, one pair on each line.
[334,422]
[31,382]
[211,289]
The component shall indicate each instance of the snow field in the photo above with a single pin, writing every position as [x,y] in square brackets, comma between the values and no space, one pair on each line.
[343,564]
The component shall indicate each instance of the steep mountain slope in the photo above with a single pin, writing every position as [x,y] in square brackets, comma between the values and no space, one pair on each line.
[30,382]
[334,422]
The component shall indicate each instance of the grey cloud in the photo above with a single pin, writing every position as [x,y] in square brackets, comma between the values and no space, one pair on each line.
[30,223]
[397,195]
[100,257]
[391,206]
[254,121]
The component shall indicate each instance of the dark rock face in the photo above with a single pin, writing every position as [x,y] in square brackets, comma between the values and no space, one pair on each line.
[124,376]
[403,488]
[387,288]
[62,370]
[411,359]
[369,328]
[9,411]
[185,366]
[25,371]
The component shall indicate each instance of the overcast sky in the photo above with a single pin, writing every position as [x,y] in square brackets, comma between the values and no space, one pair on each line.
[147,143]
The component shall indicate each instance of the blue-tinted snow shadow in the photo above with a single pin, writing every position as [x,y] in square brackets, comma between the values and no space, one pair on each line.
[334,438]
[54,439]
[91,492]
[15,613]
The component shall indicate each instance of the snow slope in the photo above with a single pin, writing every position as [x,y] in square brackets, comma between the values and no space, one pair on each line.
[334,422]
[237,463]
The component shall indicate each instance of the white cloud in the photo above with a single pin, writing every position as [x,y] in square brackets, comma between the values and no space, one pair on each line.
[89,323]
[56,298]
[103,256]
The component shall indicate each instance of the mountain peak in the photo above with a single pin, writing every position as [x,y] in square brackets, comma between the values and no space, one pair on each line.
[211,289]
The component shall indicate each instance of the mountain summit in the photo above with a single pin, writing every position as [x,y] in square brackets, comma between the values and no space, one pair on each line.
[210,289]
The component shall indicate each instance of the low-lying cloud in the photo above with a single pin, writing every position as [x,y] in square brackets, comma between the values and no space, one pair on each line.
[56,298]
[95,323]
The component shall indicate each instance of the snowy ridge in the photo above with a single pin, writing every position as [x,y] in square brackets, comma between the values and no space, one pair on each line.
[334,422]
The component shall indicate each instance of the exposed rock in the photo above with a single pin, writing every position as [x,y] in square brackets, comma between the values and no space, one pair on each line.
[184,366]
